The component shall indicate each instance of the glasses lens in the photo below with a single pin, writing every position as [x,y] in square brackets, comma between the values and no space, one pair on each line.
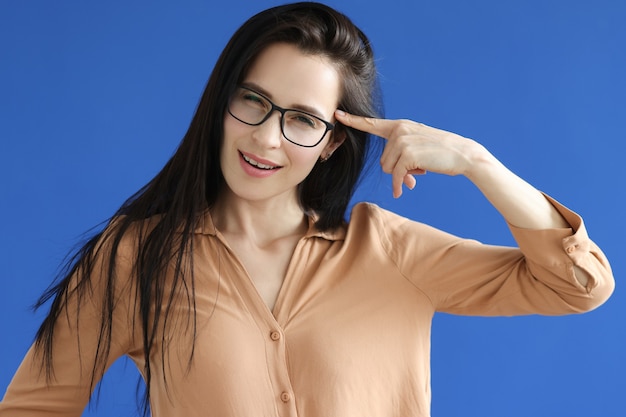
[249,107]
[303,128]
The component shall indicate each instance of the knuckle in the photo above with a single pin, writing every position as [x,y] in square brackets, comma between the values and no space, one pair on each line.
[371,121]
[398,172]
[402,128]
[386,169]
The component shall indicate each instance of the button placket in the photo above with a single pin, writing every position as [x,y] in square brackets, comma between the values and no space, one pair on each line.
[275,339]
[271,333]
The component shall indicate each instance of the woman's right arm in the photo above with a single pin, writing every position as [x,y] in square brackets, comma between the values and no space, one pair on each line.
[66,390]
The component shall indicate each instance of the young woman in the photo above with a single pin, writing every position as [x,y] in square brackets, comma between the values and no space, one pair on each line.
[233,281]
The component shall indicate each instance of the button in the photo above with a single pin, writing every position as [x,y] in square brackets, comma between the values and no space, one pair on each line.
[275,335]
[285,397]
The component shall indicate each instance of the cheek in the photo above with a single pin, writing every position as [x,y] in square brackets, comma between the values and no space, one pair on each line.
[230,128]
[304,157]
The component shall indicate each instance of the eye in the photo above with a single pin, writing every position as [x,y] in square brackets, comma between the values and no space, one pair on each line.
[252,99]
[303,120]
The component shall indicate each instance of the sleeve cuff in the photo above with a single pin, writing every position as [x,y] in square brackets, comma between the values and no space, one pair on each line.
[554,246]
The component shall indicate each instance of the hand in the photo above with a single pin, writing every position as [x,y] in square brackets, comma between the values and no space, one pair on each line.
[413,149]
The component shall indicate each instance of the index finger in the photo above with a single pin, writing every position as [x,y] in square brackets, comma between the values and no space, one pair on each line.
[373,125]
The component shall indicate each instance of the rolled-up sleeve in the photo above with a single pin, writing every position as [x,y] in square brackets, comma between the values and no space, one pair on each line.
[467,277]
[551,254]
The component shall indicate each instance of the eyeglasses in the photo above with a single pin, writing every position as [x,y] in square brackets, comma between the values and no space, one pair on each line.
[298,127]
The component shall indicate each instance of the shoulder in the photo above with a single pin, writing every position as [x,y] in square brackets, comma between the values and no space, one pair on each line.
[393,228]
[121,241]
[366,211]
[371,214]
[370,219]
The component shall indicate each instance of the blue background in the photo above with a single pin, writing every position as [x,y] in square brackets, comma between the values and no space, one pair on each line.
[94,97]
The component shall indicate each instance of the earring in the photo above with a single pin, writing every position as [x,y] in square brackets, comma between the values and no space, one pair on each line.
[324,158]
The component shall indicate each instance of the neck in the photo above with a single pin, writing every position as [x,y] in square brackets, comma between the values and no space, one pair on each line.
[263,222]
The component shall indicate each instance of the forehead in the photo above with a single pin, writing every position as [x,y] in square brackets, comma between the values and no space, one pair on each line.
[290,77]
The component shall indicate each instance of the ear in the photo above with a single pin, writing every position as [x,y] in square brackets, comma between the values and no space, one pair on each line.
[337,138]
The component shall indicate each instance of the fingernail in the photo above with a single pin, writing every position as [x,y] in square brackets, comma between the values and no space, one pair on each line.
[340,112]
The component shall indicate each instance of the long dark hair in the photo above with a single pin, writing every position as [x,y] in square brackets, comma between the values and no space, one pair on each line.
[191,181]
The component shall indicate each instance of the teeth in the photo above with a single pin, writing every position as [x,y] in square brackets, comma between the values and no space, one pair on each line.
[256,164]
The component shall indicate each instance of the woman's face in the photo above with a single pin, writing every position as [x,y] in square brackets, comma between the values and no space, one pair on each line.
[258,163]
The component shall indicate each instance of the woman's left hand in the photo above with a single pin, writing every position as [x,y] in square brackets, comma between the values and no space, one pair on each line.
[413,148]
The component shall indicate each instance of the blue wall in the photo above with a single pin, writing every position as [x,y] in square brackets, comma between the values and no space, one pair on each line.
[94,97]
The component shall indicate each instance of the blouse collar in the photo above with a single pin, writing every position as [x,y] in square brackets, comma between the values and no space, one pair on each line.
[207,227]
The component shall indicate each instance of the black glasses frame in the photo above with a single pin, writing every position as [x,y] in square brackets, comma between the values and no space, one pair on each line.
[281,110]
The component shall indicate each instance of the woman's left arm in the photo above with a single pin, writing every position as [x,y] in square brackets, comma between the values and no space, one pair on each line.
[414,148]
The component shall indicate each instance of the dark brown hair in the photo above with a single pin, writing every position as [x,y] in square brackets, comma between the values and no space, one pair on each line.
[192,180]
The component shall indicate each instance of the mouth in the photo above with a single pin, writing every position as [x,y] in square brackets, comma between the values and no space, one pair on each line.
[258,164]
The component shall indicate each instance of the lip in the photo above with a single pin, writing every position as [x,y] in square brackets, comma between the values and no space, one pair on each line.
[253,171]
[261,160]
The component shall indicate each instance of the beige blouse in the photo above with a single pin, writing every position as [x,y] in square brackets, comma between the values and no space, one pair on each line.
[350,331]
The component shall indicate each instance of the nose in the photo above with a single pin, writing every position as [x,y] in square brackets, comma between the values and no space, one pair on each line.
[269,132]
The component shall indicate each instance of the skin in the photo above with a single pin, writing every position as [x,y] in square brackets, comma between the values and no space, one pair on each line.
[259,213]
[413,149]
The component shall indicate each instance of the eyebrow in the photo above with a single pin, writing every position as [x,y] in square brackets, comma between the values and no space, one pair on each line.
[303,107]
